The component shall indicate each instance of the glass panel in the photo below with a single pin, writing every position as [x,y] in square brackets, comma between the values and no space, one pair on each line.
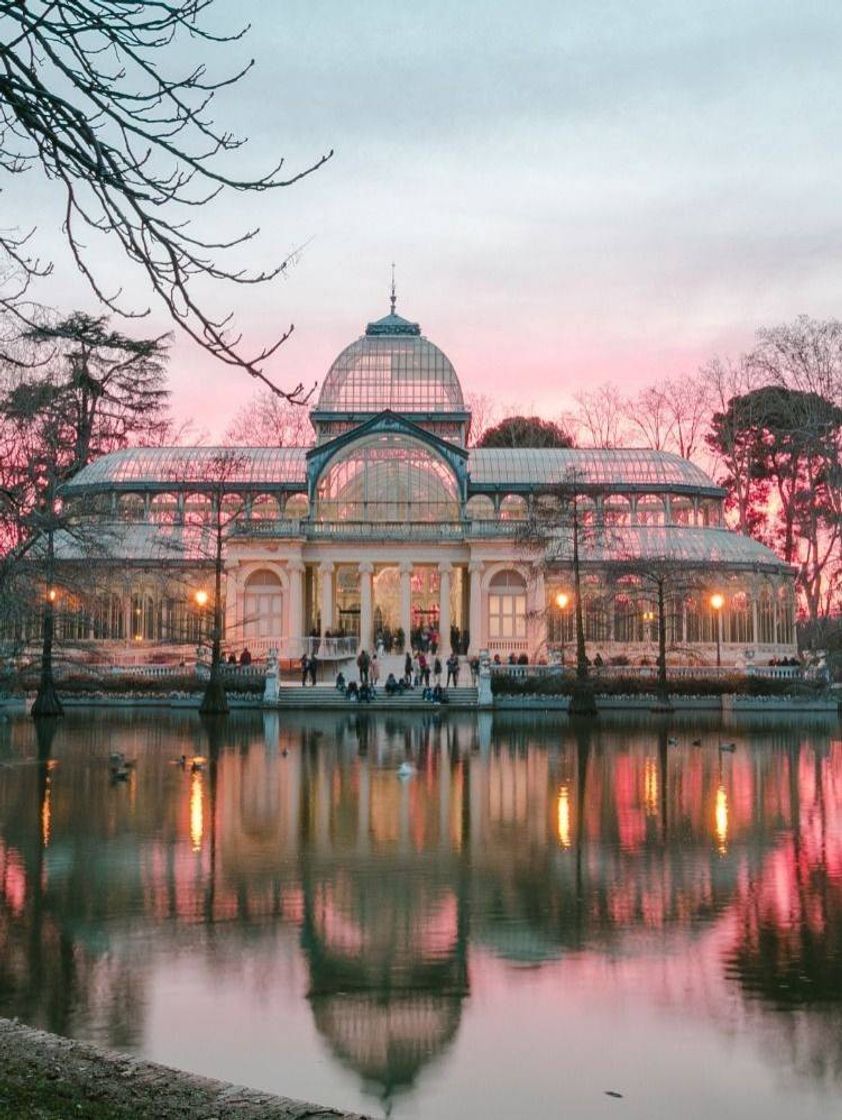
[387,478]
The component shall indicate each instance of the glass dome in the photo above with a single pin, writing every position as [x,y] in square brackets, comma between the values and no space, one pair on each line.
[391,366]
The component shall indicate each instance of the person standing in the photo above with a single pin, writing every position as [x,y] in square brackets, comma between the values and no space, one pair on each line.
[407,668]
[363,664]
[313,666]
[305,669]
[374,670]
[452,669]
[437,670]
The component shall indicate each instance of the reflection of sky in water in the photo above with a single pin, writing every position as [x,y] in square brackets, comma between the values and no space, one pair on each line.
[540,914]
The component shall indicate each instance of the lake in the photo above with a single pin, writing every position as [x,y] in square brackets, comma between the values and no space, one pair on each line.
[537,916]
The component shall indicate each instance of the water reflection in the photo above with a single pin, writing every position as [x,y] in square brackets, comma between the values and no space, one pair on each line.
[516,843]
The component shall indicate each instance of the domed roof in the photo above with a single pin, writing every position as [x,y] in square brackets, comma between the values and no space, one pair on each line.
[391,366]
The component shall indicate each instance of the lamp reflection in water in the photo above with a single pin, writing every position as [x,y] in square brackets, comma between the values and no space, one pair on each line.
[46,812]
[197,811]
[650,786]
[564,817]
[721,819]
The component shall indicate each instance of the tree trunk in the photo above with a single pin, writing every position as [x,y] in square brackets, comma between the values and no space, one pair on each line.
[214,701]
[47,702]
[582,701]
[662,689]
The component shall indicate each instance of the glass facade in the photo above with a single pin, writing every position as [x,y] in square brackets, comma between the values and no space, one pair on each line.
[387,478]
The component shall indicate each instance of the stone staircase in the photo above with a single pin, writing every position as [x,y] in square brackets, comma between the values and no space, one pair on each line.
[326,696]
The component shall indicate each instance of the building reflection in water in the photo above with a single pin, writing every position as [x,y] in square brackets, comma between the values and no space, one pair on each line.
[523,840]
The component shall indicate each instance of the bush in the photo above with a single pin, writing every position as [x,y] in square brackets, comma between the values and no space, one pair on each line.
[558,685]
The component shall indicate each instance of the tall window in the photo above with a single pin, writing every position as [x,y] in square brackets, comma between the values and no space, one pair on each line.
[263,605]
[507,605]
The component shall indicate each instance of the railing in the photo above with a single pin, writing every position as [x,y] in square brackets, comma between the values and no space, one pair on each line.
[365,530]
[650,672]
[507,645]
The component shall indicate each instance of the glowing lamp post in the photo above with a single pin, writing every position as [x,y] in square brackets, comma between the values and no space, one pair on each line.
[201,598]
[562,601]
[717,602]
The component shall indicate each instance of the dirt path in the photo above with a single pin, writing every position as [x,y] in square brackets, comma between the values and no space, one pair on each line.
[44,1077]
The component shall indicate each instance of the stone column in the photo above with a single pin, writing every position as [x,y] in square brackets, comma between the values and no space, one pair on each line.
[406,598]
[326,604]
[445,571]
[366,617]
[296,608]
[475,615]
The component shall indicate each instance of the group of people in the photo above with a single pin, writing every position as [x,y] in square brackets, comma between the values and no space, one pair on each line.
[244,658]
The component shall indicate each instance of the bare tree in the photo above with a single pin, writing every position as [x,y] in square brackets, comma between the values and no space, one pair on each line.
[559,525]
[729,379]
[268,420]
[88,98]
[670,415]
[600,419]
[485,413]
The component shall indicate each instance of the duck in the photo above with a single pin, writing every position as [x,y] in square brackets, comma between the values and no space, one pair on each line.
[672,741]
[196,767]
[406,770]
[181,761]
[697,742]
[284,752]
[119,774]
[731,747]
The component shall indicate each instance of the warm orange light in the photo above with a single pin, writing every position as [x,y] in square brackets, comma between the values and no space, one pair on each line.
[648,616]
[717,601]
[46,814]
[197,815]
[564,817]
[51,594]
[650,786]
[562,599]
[201,598]
[721,819]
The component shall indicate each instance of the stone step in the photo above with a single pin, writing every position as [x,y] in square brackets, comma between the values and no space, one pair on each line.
[325,696]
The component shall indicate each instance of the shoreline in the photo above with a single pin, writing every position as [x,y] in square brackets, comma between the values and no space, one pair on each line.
[47,1077]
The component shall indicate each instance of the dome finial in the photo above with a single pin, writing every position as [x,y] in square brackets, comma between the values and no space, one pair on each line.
[393,299]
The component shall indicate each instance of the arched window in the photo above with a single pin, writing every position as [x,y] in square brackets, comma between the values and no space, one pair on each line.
[681,510]
[297,507]
[197,509]
[263,605]
[650,510]
[264,507]
[513,508]
[109,621]
[507,605]
[739,625]
[164,510]
[480,508]
[766,616]
[388,478]
[786,616]
[616,510]
[131,507]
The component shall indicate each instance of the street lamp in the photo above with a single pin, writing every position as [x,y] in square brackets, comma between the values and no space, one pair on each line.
[717,602]
[201,597]
[562,600]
